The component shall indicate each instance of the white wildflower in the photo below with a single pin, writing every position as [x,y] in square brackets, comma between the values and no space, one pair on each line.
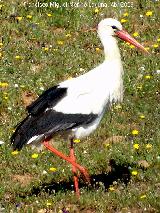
[1,142]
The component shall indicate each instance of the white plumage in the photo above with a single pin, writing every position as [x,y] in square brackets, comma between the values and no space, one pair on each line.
[92,92]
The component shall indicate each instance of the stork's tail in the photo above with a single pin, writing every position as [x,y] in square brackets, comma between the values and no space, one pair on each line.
[26,132]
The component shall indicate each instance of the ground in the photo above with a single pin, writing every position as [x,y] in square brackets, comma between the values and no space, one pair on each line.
[43,44]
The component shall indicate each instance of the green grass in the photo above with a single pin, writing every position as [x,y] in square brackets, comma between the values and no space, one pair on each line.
[24,187]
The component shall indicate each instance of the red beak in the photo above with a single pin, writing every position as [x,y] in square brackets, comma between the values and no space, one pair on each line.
[122,34]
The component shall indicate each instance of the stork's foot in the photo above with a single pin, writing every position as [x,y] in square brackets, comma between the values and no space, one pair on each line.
[68,159]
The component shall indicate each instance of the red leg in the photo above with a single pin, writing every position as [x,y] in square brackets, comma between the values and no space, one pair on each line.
[68,159]
[74,170]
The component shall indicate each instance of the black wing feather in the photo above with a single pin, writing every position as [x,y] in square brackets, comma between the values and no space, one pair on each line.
[48,99]
[46,124]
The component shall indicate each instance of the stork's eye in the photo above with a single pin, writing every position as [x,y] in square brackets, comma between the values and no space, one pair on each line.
[114,27]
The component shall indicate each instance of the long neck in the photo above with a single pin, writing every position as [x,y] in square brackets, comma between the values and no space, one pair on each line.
[111,49]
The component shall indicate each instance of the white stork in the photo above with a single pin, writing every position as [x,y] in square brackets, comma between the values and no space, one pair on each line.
[76,106]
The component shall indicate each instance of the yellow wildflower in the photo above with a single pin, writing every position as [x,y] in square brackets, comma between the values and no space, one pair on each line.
[18,57]
[146,48]
[134,172]
[155,45]
[6,97]
[77,141]
[52,169]
[34,156]
[15,152]
[135,132]
[142,116]
[29,16]
[19,18]
[60,42]
[123,20]
[107,145]
[0,55]
[147,76]
[136,146]
[49,15]
[1,44]
[68,35]
[111,188]
[98,49]
[143,196]
[158,39]
[149,13]
[135,34]
[118,106]
[48,203]
[148,146]
[4,84]
[132,46]
[125,14]
[46,48]
[1,5]
[96,10]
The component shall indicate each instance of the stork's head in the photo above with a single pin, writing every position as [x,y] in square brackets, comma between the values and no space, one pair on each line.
[112,27]
[109,26]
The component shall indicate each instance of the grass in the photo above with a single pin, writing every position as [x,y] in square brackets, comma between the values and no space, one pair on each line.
[48,47]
